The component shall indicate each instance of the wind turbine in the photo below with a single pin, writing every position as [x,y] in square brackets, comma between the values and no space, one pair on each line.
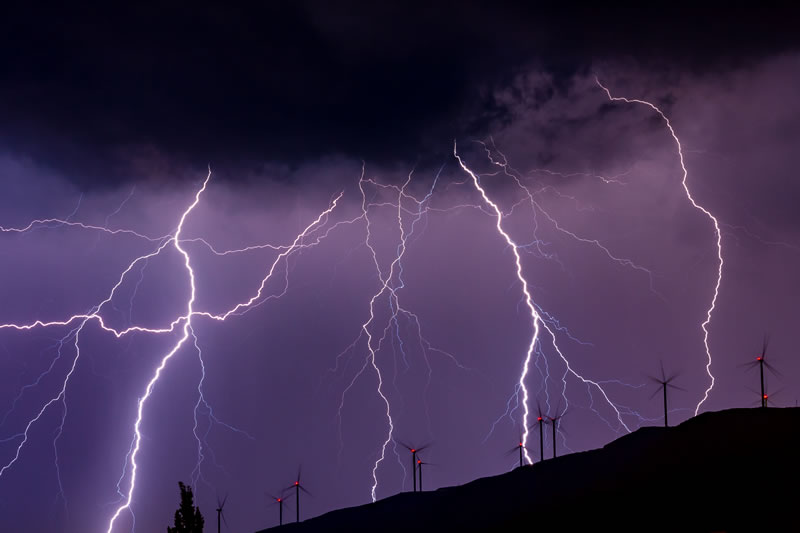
[278,500]
[665,383]
[554,421]
[420,462]
[297,488]
[414,451]
[762,363]
[519,447]
[540,422]
[220,514]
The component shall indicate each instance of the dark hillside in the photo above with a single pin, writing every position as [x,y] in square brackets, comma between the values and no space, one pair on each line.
[735,470]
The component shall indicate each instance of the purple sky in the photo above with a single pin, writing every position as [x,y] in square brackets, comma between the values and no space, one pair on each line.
[277,375]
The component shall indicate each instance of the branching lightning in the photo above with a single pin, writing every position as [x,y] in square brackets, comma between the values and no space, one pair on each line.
[183,322]
[390,283]
[706,212]
[187,330]
[407,212]
[536,319]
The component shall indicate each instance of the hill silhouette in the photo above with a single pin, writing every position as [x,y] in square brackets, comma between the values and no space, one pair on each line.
[734,470]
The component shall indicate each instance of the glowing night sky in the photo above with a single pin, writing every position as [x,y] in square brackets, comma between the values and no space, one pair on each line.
[238,241]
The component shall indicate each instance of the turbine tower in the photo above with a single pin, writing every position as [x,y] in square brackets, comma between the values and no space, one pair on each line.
[220,513]
[762,363]
[554,421]
[278,500]
[420,462]
[540,421]
[297,488]
[664,383]
[519,447]
[414,451]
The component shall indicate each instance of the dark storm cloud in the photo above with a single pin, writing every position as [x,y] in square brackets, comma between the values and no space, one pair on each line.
[90,91]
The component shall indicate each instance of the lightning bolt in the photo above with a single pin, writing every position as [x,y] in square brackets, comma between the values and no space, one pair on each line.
[238,309]
[183,322]
[385,287]
[365,326]
[187,330]
[536,320]
[258,298]
[58,398]
[528,298]
[390,283]
[706,212]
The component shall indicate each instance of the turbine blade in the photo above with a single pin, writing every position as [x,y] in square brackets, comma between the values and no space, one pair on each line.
[750,365]
[676,387]
[753,391]
[654,379]
[771,394]
[425,446]
[515,449]
[772,369]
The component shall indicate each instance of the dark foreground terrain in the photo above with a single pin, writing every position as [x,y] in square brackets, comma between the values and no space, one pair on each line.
[735,470]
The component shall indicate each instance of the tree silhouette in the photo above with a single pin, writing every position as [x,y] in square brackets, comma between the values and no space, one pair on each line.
[187,518]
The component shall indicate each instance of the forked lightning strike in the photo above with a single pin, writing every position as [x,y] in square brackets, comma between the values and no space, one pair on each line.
[390,282]
[95,314]
[187,330]
[697,206]
[528,298]
[534,314]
